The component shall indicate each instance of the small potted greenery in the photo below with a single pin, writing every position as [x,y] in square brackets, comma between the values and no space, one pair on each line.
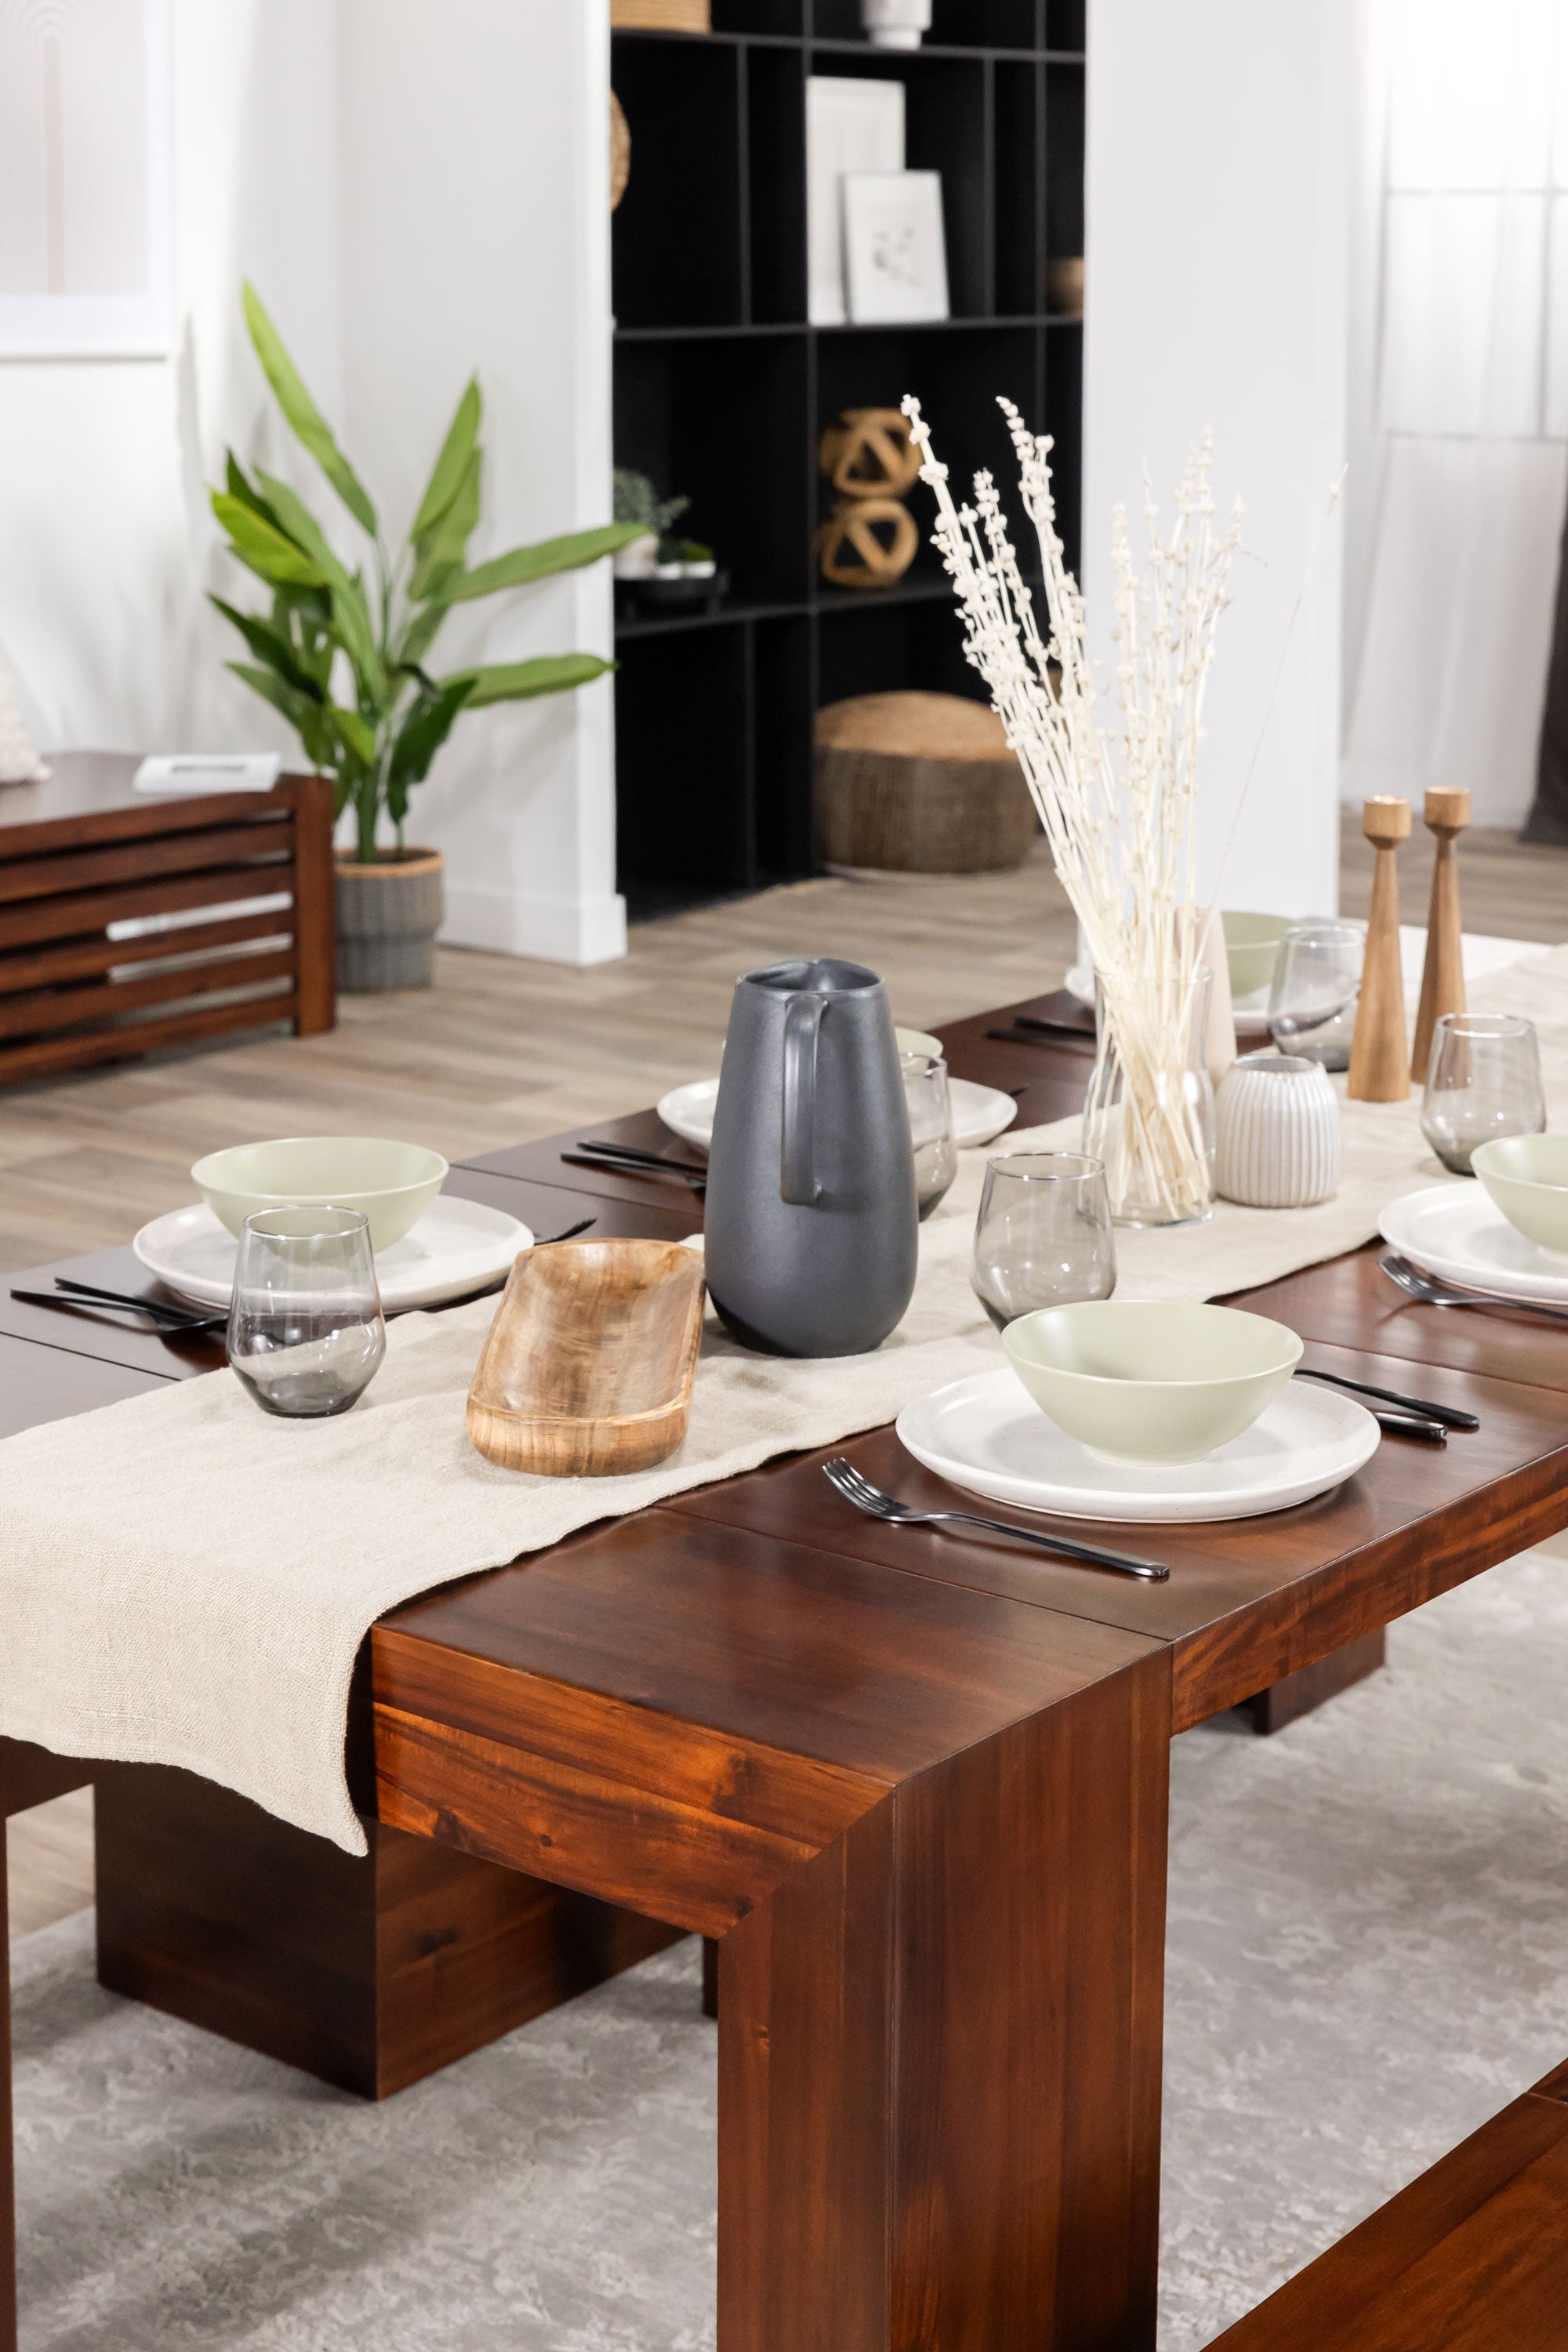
[345,658]
[657,571]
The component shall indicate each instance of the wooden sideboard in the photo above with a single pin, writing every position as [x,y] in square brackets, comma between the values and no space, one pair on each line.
[129,922]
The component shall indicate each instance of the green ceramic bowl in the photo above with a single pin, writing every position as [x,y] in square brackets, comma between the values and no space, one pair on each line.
[1168,1381]
[392,1183]
[1251,947]
[1527,1176]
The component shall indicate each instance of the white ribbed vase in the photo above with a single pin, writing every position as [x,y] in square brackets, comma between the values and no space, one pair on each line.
[1277,1121]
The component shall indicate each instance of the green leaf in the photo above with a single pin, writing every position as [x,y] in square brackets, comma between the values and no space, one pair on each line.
[307,717]
[351,609]
[442,557]
[295,518]
[451,465]
[245,491]
[542,562]
[310,425]
[357,733]
[268,646]
[427,728]
[266,551]
[521,681]
[421,633]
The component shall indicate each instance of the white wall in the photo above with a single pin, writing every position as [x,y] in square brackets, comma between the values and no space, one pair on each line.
[105,538]
[414,192]
[1216,246]
[475,172]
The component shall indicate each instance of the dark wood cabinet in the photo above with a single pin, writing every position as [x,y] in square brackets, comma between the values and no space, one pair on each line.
[722,391]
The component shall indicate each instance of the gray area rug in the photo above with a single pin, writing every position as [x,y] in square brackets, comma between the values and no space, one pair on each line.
[1368,1956]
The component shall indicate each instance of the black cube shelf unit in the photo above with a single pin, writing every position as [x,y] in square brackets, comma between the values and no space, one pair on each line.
[722,392]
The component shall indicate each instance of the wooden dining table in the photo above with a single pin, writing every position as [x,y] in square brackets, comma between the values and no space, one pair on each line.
[911,1785]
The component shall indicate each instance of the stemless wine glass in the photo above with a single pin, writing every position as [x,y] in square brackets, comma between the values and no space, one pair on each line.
[931,1128]
[1043,1236]
[1317,983]
[306,1331]
[1483,1079]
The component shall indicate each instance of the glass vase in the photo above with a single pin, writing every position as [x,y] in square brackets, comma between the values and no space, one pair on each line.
[1149,1113]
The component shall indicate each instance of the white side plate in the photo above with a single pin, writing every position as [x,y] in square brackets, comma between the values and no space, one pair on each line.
[979,1113]
[1459,1230]
[987,1435]
[457,1247]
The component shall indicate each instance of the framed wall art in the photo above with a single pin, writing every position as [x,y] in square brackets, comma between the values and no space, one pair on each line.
[86,170]
[895,248]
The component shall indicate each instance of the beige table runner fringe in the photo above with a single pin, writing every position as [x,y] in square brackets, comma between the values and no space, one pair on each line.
[185,1581]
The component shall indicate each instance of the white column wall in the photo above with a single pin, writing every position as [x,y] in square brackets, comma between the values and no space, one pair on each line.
[1218,151]
[475,208]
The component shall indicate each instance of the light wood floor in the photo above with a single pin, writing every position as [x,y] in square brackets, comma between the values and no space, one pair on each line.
[501,1050]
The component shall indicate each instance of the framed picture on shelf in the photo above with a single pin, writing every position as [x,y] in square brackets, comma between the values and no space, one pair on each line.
[86,170]
[850,126]
[895,248]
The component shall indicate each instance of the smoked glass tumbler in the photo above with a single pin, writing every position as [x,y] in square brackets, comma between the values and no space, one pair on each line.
[306,1332]
[931,1128]
[1316,988]
[1043,1237]
[1483,1080]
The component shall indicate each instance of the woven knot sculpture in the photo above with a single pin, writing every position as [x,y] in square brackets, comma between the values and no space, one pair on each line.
[870,539]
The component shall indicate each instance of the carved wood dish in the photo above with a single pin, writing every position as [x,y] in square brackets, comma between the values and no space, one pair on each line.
[588,1367]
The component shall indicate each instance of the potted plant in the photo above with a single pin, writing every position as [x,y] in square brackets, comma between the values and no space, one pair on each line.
[648,518]
[345,658]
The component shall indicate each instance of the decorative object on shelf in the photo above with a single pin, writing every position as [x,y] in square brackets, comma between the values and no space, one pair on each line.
[588,1367]
[620,151]
[854,551]
[1277,1133]
[1064,285]
[678,588]
[918,783]
[895,248]
[20,761]
[868,453]
[661,16]
[811,1220]
[1483,1081]
[345,664]
[640,509]
[1120,810]
[1380,1065]
[895,23]
[851,125]
[1447,813]
[1132,1106]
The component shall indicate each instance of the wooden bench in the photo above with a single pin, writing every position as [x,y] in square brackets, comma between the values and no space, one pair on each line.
[1473,2257]
[124,922]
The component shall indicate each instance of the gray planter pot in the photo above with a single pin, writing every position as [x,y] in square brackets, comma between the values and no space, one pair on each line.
[388,915]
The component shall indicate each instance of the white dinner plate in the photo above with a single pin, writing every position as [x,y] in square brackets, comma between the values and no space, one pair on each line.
[987,1435]
[457,1247]
[979,1113]
[1457,1231]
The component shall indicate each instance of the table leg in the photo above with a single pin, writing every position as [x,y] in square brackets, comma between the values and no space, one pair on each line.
[940,2048]
[1299,1693]
[7,2173]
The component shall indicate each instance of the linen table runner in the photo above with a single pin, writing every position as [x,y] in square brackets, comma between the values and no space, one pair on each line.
[184,1579]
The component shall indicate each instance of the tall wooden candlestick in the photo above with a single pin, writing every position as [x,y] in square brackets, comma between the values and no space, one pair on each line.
[1446,810]
[1380,1068]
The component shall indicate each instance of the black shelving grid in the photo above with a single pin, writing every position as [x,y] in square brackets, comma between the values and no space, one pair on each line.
[722,392]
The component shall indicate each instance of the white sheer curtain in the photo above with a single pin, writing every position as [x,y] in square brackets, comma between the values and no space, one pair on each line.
[1462,451]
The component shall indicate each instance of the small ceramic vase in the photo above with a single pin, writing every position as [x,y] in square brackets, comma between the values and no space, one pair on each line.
[1277,1121]
[895,23]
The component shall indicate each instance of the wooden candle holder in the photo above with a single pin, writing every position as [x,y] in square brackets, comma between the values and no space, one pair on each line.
[1380,1067]
[1446,810]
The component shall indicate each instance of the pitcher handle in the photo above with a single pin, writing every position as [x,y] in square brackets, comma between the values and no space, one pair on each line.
[797,1156]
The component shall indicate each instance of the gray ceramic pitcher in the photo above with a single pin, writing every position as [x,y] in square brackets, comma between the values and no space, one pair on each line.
[811,1217]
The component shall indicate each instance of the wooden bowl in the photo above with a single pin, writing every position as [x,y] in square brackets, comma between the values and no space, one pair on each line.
[588,1367]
